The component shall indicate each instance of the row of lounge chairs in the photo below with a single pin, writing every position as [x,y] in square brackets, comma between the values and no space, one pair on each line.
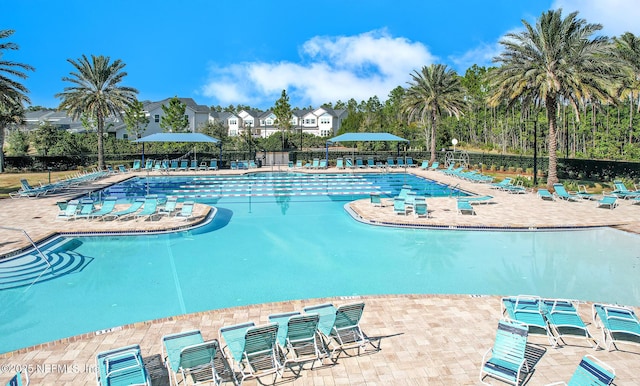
[45,189]
[147,208]
[469,175]
[399,162]
[557,319]
[408,201]
[251,351]
[170,166]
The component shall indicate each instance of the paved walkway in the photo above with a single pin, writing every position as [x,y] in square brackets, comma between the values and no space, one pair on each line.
[425,339]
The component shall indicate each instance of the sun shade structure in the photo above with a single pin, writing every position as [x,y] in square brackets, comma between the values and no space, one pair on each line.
[177,137]
[363,137]
[366,137]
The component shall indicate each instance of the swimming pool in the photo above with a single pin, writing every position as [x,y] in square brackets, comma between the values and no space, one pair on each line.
[273,248]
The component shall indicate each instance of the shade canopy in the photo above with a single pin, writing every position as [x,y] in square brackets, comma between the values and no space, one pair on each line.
[364,137]
[177,137]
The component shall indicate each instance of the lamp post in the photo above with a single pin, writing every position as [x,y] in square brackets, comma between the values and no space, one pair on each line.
[248,125]
[300,127]
[535,152]
[454,142]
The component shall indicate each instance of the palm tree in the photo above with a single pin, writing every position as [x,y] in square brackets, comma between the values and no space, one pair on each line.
[96,93]
[628,51]
[12,93]
[555,60]
[432,92]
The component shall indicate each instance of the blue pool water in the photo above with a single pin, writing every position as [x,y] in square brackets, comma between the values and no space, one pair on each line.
[280,247]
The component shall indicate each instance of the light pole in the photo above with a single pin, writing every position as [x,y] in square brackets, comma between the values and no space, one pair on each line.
[535,152]
[248,125]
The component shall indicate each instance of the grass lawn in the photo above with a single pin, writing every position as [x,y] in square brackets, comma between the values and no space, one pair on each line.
[10,182]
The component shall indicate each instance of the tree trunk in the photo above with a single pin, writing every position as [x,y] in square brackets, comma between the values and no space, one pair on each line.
[433,136]
[100,119]
[1,149]
[552,177]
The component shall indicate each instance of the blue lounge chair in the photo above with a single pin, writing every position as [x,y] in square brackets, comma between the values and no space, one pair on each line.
[173,166]
[391,162]
[186,211]
[87,207]
[341,327]
[29,191]
[434,166]
[298,164]
[371,163]
[477,199]
[564,321]
[348,163]
[122,366]
[506,359]
[410,163]
[545,195]
[148,165]
[359,163]
[323,164]
[562,193]
[527,310]
[183,165]
[424,165]
[619,324]
[399,206]
[464,207]
[213,164]
[20,379]
[400,162]
[502,184]
[621,191]
[126,212]
[339,163]
[194,165]
[253,349]
[233,165]
[187,354]
[169,207]
[590,372]
[608,202]
[150,207]
[298,337]
[137,164]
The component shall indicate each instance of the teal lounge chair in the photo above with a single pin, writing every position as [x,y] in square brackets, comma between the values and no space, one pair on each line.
[339,163]
[424,165]
[69,211]
[348,163]
[213,164]
[108,206]
[150,207]
[126,212]
[464,207]
[122,366]
[608,202]
[323,164]
[506,359]
[359,163]
[420,209]
[233,165]
[477,199]
[410,163]
[187,354]
[316,163]
[502,184]
[562,193]
[375,200]
[527,310]
[169,208]
[371,163]
[87,207]
[298,337]
[183,165]
[590,372]
[137,164]
[194,165]
[584,194]
[253,349]
[546,195]
[618,324]
[148,165]
[400,162]
[398,206]
[341,327]
[173,166]
[20,379]
[391,162]
[564,321]
[621,191]
[186,211]
[299,164]
[434,166]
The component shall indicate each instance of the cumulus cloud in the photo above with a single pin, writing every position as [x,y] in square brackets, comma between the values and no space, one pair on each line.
[331,68]
[616,16]
[481,55]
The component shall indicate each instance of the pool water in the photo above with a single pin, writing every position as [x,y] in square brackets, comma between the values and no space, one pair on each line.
[275,248]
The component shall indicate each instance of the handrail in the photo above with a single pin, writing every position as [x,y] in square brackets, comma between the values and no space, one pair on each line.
[453,188]
[32,243]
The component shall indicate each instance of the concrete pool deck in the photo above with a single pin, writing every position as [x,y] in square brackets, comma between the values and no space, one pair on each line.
[425,339]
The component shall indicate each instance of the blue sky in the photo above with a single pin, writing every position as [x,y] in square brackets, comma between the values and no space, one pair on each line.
[247,52]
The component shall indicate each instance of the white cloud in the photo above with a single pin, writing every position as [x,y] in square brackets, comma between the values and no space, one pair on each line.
[616,16]
[331,69]
[481,55]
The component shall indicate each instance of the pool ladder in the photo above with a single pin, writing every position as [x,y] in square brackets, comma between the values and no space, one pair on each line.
[42,256]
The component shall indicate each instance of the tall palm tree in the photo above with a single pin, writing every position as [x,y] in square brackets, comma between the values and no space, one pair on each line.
[627,48]
[12,93]
[97,93]
[433,91]
[555,60]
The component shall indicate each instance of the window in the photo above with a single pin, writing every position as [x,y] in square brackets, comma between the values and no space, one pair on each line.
[125,136]
[156,118]
[325,121]
[233,121]
[269,122]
